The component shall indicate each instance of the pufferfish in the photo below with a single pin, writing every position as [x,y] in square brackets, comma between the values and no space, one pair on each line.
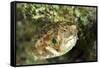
[56,42]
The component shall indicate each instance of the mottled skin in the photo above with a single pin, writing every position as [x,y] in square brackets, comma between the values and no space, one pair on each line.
[45,48]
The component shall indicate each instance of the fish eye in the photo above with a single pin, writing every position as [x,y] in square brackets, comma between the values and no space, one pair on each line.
[64,30]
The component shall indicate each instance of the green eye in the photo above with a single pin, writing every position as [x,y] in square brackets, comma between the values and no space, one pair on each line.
[54,41]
